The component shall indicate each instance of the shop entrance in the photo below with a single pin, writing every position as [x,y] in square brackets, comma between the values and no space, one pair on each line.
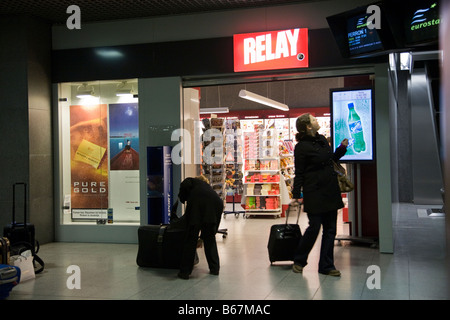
[257,185]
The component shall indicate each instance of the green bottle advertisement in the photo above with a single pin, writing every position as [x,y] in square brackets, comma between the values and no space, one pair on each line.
[356,130]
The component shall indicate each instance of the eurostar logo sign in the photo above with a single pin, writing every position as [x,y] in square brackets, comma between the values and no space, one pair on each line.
[271,50]
[423,18]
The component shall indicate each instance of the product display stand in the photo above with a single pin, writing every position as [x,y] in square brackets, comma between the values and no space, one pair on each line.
[233,163]
[215,173]
[234,211]
[234,190]
[262,178]
[287,164]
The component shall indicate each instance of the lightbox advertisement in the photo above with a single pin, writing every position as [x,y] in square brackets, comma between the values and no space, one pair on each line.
[352,119]
[282,49]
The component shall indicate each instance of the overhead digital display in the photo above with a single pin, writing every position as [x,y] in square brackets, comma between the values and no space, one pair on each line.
[362,39]
[352,119]
[421,22]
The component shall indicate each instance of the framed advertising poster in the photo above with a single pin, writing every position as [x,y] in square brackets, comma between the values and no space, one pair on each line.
[89,165]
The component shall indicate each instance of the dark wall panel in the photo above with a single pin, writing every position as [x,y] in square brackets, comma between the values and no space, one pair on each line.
[179,58]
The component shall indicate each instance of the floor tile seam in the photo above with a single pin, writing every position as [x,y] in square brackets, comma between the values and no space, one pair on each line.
[409,275]
[276,285]
[316,291]
[186,289]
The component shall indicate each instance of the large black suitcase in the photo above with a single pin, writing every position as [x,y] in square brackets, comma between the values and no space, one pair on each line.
[284,239]
[20,232]
[160,246]
[22,235]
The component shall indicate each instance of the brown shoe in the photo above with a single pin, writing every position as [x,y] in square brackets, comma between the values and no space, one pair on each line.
[333,273]
[297,268]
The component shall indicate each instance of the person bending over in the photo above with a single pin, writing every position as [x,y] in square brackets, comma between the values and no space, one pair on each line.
[203,212]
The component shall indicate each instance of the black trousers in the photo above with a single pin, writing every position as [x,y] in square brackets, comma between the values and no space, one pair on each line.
[208,235]
[328,220]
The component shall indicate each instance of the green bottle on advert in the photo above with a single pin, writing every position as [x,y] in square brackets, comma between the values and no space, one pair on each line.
[356,129]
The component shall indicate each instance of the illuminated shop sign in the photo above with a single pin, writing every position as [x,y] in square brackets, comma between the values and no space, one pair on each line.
[271,50]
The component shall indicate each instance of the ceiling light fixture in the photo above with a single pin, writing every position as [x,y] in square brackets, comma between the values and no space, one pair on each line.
[214,110]
[263,100]
[124,90]
[85,91]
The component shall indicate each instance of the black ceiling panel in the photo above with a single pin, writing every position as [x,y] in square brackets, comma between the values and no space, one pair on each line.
[105,10]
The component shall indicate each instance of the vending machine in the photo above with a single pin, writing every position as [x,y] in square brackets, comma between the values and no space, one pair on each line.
[159,184]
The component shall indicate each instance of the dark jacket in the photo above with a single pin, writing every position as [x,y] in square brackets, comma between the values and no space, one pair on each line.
[315,176]
[203,204]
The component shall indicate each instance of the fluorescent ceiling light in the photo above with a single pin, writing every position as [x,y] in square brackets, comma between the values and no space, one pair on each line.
[85,91]
[214,110]
[124,90]
[124,93]
[263,100]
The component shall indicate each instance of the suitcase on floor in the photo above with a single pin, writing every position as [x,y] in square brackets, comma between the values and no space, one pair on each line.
[22,235]
[160,246]
[20,232]
[284,239]
[5,250]
[9,277]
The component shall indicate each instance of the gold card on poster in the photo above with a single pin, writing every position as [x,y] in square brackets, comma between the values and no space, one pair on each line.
[89,153]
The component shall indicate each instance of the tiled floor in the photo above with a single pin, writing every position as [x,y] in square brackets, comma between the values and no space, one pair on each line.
[108,271]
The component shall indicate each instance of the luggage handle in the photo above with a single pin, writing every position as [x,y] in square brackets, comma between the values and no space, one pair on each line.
[14,223]
[289,209]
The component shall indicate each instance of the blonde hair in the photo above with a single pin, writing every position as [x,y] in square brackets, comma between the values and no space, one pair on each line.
[203,178]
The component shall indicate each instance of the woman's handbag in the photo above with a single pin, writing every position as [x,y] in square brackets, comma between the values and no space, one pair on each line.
[344,182]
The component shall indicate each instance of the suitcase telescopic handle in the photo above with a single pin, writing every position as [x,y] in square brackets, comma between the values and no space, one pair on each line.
[24,203]
[289,209]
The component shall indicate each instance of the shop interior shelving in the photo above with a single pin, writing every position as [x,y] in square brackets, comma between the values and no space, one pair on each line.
[233,165]
[214,171]
[262,178]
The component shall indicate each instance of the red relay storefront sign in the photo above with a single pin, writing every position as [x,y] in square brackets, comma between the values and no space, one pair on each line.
[271,50]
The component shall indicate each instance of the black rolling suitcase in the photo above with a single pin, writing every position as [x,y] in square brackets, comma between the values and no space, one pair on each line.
[22,235]
[160,246]
[284,239]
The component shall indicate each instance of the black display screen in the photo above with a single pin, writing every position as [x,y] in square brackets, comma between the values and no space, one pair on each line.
[362,39]
[421,22]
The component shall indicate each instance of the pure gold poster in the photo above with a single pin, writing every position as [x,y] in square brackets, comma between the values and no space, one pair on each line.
[89,164]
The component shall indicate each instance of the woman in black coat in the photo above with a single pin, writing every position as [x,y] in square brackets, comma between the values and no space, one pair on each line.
[315,177]
[203,213]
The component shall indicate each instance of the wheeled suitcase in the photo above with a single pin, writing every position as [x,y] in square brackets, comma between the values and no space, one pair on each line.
[284,239]
[9,277]
[24,232]
[22,235]
[160,246]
